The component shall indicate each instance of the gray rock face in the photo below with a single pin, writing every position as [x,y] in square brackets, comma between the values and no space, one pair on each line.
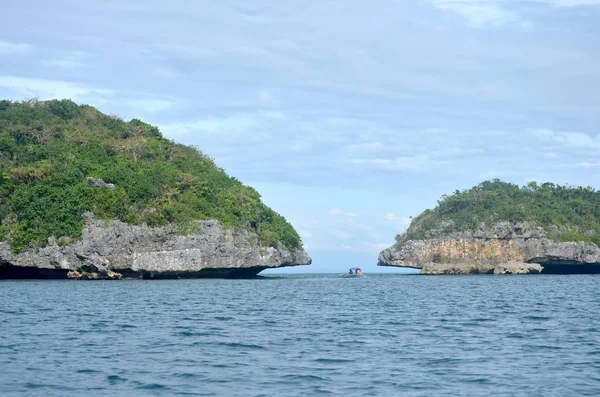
[477,250]
[113,249]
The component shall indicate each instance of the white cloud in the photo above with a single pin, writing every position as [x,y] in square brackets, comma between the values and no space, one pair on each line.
[272,115]
[339,211]
[213,125]
[446,152]
[71,60]
[265,95]
[571,3]
[190,51]
[404,220]
[305,234]
[588,164]
[233,124]
[163,71]
[148,105]
[63,63]
[569,139]
[341,235]
[366,146]
[377,246]
[365,247]
[483,13]
[479,13]
[417,163]
[23,87]
[14,48]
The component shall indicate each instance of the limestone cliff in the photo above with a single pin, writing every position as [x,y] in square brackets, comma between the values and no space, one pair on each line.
[113,249]
[502,248]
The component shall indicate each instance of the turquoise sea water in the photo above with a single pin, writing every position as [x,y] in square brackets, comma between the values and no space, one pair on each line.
[383,335]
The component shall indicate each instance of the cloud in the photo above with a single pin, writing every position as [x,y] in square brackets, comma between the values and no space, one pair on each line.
[305,234]
[570,3]
[404,220]
[265,95]
[479,13]
[568,139]
[341,235]
[72,60]
[149,105]
[165,72]
[24,87]
[63,63]
[485,13]
[588,164]
[7,47]
[240,123]
[339,211]
[366,146]
[419,163]
[376,246]
[365,247]
[452,152]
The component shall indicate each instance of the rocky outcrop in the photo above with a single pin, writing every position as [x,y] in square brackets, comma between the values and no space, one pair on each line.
[500,247]
[114,250]
[518,268]
[99,183]
[456,268]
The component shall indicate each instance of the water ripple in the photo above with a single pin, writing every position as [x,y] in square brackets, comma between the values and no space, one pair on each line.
[302,335]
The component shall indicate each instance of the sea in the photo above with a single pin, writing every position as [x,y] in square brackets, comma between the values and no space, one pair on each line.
[303,335]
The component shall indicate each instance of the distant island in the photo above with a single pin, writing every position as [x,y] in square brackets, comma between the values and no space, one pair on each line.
[502,228]
[90,196]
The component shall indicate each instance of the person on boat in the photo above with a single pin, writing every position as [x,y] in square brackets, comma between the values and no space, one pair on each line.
[359,272]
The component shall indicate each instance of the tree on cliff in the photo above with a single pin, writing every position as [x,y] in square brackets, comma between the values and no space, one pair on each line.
[49,151]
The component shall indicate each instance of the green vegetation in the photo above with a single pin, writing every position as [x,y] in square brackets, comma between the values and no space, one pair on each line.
[49,149]
[567,213]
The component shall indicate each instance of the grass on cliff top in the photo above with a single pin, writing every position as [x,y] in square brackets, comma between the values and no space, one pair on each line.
[49,149]
[567,213]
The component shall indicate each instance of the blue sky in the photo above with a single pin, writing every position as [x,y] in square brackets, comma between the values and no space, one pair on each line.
[347,117]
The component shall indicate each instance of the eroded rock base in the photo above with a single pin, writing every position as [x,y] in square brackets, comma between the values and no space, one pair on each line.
[509,268]
[32,273]
[553,268]
[21,273]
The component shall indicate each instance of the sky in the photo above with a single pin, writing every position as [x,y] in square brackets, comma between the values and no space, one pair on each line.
[349,117]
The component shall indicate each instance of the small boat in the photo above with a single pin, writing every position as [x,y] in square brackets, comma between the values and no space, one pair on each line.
[353,272]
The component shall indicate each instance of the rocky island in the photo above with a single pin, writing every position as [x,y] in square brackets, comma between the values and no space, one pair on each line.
[85,195]
[501,228]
